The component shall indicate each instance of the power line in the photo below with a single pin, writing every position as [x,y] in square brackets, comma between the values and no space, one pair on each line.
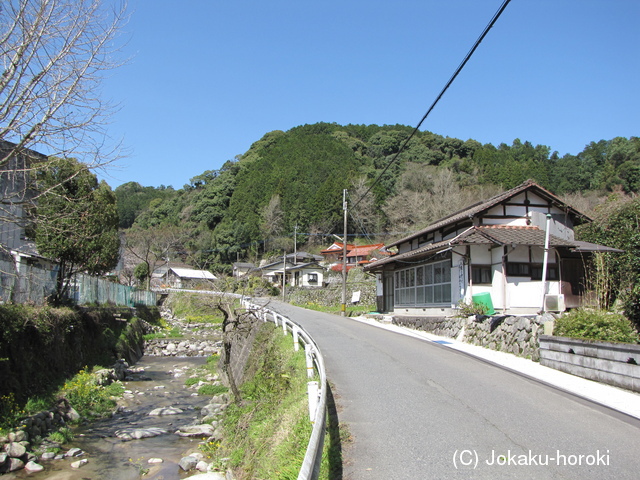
[446,87]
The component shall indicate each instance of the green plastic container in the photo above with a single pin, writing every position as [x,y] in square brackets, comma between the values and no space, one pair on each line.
[484,299]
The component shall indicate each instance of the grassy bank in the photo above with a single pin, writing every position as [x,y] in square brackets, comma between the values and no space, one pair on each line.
[267,430]
[42,349]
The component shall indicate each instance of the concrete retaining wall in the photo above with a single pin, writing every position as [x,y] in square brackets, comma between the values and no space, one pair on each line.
[611,363]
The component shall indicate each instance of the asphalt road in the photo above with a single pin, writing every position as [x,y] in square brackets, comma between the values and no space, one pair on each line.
[416,410]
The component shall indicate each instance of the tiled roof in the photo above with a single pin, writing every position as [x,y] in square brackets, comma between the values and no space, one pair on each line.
[480,207]
[489,235]
[506,235]
[363,250]
[336,248]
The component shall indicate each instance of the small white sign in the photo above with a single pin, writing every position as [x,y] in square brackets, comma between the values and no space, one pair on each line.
[355,298]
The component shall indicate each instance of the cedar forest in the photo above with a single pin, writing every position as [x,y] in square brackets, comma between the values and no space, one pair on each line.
[294,180]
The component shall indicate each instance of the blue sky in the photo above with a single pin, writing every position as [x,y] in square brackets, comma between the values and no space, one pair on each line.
[207,78]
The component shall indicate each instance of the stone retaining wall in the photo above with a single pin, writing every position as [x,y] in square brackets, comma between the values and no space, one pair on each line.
[511,334]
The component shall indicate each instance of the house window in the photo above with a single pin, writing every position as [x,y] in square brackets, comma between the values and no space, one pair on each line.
[515,269]
[532,270]
[424,285]
[552,271]
[481,274]
[313,278]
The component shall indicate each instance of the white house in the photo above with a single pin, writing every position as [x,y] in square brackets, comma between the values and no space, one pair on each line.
[495,248]
[309,274]
[187,277]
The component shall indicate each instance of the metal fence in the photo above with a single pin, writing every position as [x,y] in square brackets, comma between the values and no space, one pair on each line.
[33,284]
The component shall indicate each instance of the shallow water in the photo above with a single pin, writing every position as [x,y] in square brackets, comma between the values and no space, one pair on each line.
[160,384]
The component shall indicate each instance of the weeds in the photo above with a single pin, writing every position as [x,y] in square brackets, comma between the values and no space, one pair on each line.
[142,470]
[212,390]
[266,435]
[167,332]
[62,436]
[90,400]
[469,309]
[10,412]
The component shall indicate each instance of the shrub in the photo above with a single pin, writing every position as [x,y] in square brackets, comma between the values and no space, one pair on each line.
[212,390]
[91,400]
[468,309]
[596,325]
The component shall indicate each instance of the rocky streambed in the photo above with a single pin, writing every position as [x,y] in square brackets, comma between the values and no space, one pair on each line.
[160,423]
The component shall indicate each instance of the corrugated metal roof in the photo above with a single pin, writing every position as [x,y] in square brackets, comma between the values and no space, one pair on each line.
[192,273]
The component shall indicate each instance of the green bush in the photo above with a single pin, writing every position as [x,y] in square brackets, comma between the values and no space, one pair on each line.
[90,400]
[596,325]
[212,390]
[468,309]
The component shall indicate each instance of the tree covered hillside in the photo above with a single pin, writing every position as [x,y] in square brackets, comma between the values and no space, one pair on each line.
[294,180]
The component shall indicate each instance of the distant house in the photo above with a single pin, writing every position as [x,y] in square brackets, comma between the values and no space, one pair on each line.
[177,277]
[25,274]
[304,257]
[334,253]
[363,254]
[309,274]
[241,269]
[357,255]
[15,194]
[494,247]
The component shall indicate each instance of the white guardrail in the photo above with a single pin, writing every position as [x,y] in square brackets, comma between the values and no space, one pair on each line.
[317,390]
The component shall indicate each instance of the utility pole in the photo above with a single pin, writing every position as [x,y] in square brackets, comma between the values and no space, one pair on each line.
[284,277]
[295,245]
[344,256]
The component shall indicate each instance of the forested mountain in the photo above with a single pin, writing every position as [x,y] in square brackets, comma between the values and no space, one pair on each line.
[294,180]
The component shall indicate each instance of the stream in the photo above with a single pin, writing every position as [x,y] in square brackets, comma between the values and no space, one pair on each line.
[152,383]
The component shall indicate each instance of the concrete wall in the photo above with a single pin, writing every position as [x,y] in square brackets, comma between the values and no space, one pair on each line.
[611,363]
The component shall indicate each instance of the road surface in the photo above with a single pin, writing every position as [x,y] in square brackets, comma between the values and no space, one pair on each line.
[417,410]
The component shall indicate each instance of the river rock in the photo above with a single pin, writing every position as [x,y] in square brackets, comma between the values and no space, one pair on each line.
[153,461]
[74,452]
[165,411]
[79,463]
[33,467]
[46,456]
[188,463]
[12,464]
[20,435]
[127,434]
[15,449]
[73,415]
[204,430]
[104,377]
[202,466]
[208,476]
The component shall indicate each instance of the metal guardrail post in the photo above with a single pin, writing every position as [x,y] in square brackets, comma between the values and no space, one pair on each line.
[296,339]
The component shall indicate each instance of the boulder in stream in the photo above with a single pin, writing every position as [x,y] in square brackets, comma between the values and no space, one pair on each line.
[204,430]
[127,434]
